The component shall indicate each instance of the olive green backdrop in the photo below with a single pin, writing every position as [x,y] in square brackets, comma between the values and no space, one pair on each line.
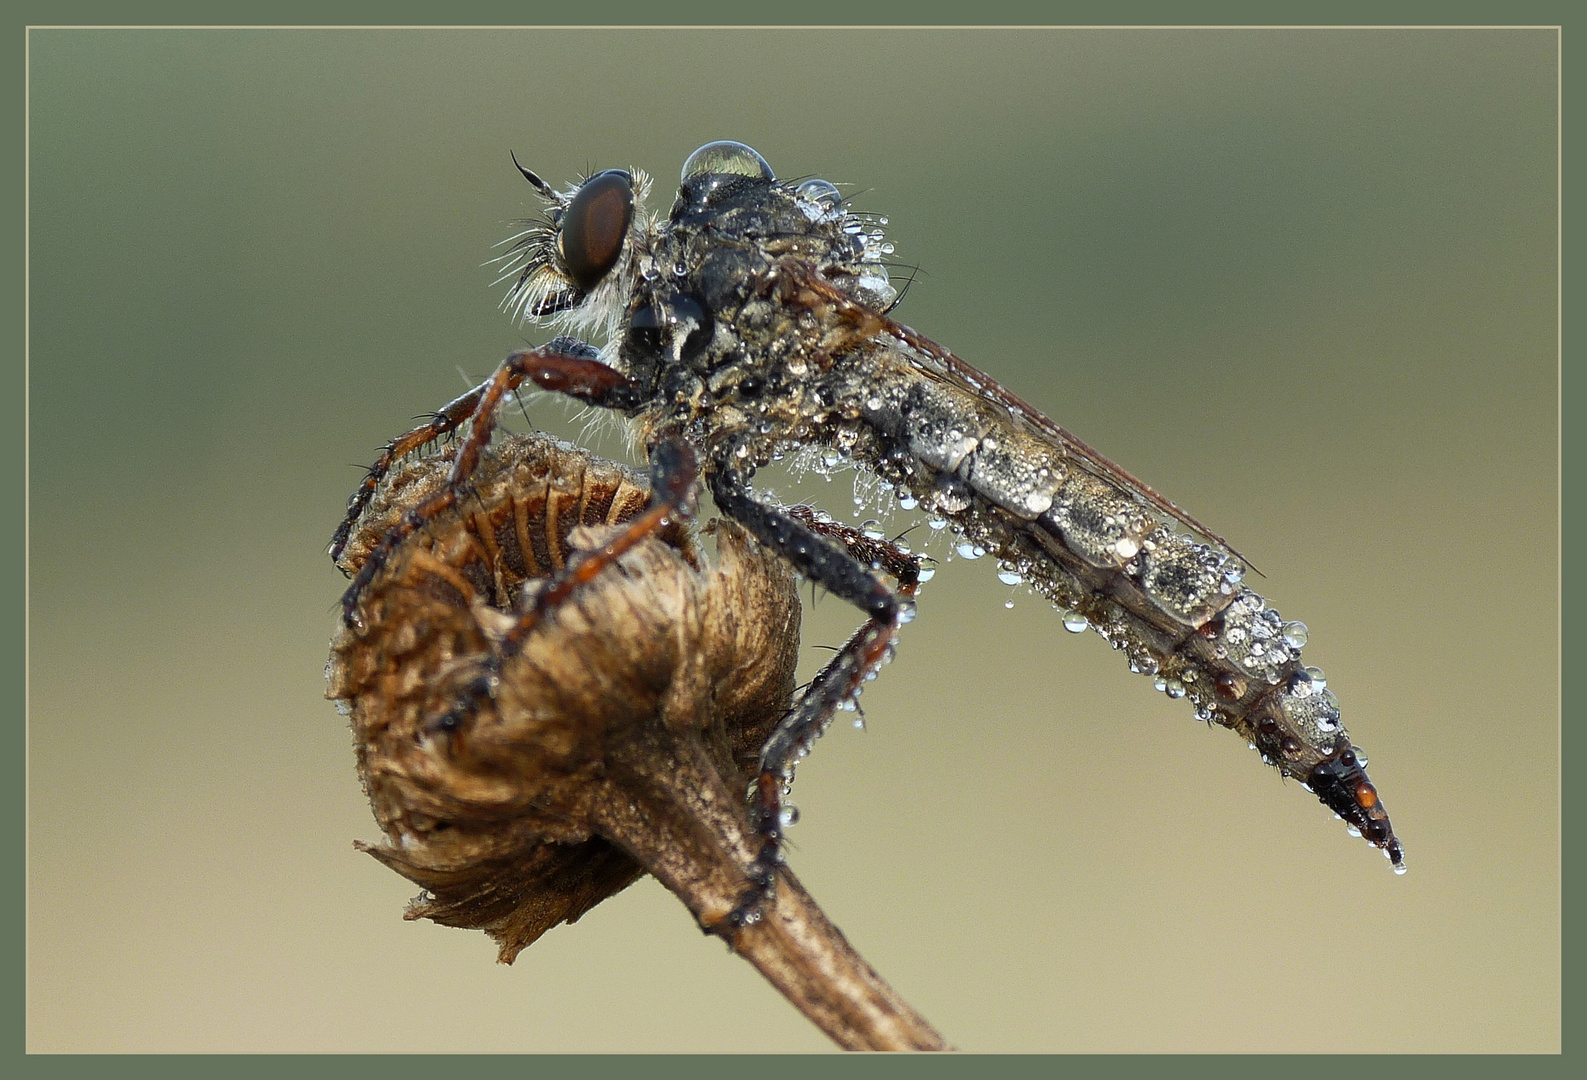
[1303,282]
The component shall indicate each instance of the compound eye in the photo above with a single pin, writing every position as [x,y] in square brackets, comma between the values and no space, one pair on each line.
[594,227]
[726,158]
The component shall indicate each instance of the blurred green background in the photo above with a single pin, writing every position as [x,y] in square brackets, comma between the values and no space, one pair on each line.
[1303,282]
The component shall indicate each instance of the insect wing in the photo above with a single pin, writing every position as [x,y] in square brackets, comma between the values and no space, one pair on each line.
[812,289]
[937,362]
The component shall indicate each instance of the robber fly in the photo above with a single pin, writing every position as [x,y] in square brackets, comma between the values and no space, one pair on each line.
[753,320]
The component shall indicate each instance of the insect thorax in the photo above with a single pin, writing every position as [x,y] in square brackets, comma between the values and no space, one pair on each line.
[724,360]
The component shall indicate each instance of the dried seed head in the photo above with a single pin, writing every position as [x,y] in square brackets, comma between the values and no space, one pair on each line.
[653,686]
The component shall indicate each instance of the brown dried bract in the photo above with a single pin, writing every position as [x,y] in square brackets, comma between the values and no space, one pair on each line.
[619,738]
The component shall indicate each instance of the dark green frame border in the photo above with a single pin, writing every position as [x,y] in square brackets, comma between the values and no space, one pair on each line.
[499,12]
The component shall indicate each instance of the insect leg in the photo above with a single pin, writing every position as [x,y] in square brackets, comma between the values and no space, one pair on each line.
[673,477]
[448,419]
[805,541]
[836,571]
[563,365]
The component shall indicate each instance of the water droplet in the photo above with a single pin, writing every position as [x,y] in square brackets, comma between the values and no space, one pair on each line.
[888,249]
[1160,684]
[1009,576]
[1127,547]
[788,816]
[907,501]
[829,458]
[872,529]
[968,549]
[937,524]
[859,723]
[926,573]
[823,193]
[1361,756]
[1399,867]
[1008,604]
[906,614]
[1234,574]
[1352,830]
[1175,689]
[1318,682]
[1074,622]
[1295,634]
[873,404]
[849,705]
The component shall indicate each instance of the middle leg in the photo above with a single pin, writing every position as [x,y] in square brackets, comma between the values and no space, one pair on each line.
[674,476]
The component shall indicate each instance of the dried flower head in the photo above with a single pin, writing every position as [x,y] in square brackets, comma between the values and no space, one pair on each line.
[618,736]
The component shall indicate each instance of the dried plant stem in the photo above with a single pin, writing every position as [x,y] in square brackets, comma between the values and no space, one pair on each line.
[812,963]
[680,821]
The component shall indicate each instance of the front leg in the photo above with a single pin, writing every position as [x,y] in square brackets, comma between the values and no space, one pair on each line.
[808,544]
[563,365]
[446,420]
